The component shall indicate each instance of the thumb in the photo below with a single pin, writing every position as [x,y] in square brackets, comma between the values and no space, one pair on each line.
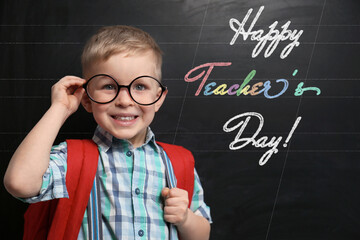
[165,192]
[79,92]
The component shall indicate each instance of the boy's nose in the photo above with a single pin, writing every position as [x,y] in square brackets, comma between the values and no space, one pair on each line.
[124,98]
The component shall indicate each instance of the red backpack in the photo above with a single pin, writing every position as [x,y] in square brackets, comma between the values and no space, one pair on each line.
[61,218]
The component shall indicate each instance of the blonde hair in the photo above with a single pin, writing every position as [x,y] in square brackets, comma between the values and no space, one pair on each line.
[119,39]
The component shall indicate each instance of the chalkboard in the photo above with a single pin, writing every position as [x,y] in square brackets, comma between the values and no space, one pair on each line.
[277,147]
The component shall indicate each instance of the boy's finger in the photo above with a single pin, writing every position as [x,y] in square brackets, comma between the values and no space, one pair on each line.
[79,92]
[71,81]
[177,192]
[165,192]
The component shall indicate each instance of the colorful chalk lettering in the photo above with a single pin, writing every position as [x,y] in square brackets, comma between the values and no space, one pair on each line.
[244,89]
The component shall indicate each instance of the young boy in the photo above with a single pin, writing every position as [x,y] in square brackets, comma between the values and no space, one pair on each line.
[122,89]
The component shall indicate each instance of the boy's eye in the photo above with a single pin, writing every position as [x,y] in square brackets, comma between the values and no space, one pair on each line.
[109,87]
[139,87]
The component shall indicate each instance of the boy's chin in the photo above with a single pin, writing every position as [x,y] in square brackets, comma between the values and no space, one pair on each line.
[135,139]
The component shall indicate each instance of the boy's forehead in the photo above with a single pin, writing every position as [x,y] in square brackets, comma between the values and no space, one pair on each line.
[115,62]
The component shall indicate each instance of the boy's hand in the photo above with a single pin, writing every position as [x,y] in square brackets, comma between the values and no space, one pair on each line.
[176,205]
[68,92]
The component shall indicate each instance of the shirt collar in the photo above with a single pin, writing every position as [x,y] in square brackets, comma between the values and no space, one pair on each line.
[105,140]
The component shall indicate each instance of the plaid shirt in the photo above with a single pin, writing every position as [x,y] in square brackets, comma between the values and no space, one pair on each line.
[131,181]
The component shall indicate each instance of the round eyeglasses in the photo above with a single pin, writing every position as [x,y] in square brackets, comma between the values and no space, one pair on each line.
[144,90]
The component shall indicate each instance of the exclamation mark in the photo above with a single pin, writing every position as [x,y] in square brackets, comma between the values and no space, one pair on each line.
[292,131]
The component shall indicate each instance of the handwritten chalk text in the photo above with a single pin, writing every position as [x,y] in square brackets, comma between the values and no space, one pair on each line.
[262,142]
[239,89]
[274,36]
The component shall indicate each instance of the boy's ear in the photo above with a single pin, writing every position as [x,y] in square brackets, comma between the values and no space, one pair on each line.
[86,103]
[159,103]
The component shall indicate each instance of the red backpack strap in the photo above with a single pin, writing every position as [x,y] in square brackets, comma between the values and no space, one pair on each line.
[183,164]
[61,218]
[37,219]
[81,193]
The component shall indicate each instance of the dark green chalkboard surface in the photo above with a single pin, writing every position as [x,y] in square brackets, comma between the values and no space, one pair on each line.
[264,93]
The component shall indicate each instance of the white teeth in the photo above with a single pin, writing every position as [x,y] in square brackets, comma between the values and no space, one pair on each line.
[125,118]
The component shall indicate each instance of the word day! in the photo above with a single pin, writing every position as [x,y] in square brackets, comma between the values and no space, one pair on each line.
[245,88]
[239,142]
[274,36]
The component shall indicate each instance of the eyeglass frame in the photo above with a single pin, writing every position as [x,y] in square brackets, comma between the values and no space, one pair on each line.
[163,88]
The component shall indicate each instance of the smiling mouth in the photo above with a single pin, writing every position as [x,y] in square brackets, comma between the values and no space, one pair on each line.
[123,118]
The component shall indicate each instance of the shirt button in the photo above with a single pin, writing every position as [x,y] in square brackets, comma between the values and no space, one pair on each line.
[137,191]
[141,233]
[128,153]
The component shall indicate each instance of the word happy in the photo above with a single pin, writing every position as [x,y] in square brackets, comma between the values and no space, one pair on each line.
[274,36]
[262,142]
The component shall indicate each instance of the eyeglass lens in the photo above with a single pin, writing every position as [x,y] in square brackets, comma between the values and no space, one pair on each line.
[144,90]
